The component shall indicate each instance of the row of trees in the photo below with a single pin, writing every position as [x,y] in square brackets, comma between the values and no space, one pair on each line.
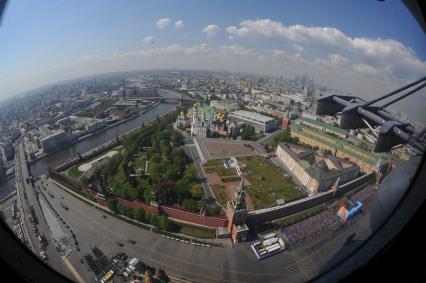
[159,221]
[285,136]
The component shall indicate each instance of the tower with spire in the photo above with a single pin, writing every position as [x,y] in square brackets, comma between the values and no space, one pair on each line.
[236,213]
[382,167]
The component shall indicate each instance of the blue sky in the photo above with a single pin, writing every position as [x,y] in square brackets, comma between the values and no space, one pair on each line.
[376,43]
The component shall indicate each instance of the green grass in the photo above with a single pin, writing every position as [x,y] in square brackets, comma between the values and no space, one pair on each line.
[139,160]
[221,196]
[268,183]
[214,162]
[221,170]
[74,172]
[196,231]
[230,180]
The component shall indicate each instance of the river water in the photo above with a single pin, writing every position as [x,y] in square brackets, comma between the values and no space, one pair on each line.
[53,160]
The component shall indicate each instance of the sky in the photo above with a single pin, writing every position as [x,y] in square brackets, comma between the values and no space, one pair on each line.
[363,47]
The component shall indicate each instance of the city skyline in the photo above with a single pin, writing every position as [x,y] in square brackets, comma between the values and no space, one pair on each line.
[332,43]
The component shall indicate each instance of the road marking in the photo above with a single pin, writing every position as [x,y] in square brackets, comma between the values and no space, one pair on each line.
[303,271]
[73,271]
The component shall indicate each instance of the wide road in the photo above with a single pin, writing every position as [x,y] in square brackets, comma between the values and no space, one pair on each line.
[26,190]
[200,264]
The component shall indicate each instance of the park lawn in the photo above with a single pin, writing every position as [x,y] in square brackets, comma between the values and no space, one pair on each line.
[97,110]
[214,162]
[221,170]
[221,196]
[196,231]
[73,171]
[268,183]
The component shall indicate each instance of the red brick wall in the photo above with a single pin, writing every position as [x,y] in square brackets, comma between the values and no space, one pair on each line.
[180,214]
[139,204]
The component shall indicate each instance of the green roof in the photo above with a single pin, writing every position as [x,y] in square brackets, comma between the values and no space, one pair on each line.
[209,111]
[325,125]
[340,145]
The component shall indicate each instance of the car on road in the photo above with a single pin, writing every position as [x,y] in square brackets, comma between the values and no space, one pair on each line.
[104,216]
[120,244]
[131,241]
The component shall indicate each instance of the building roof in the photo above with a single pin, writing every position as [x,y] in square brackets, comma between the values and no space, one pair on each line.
[253,116]
[325,125]
[340,145]
[318,169]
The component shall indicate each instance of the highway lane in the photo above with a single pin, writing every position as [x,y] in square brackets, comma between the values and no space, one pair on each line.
[236,264]
[27,189]
[24,210]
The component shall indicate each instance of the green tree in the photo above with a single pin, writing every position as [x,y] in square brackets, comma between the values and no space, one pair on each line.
[197,191]
[163,222]
[190,172]
[84,180]
[112,204]
[134,193]
[154,220]
[248,133]
[141,267]
[129,212]
[147,195]
[139,214]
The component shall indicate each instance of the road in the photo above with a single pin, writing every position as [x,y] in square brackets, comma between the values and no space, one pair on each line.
[200,264]
[28,198]
[191,151]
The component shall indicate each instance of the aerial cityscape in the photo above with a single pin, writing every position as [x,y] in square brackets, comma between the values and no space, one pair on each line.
[204,172]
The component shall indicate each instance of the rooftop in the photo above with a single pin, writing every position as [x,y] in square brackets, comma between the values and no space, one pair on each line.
[325,125]
[340,144]
[252,116]
[318,168]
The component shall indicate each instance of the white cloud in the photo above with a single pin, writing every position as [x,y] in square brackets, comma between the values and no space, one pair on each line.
[279,53]
[173,49]
[148,39]
[298,48]
[163,23]
[179,24]
[337,59]
[211,30]
[235,49]
[365,69]
[89,58]
[380,54]
[358,78]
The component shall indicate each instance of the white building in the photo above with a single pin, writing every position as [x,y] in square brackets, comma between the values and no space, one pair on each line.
[260,122]
[198,125]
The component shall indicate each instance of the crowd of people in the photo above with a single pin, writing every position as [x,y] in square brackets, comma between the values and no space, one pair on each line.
[319,223]
[324,221]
